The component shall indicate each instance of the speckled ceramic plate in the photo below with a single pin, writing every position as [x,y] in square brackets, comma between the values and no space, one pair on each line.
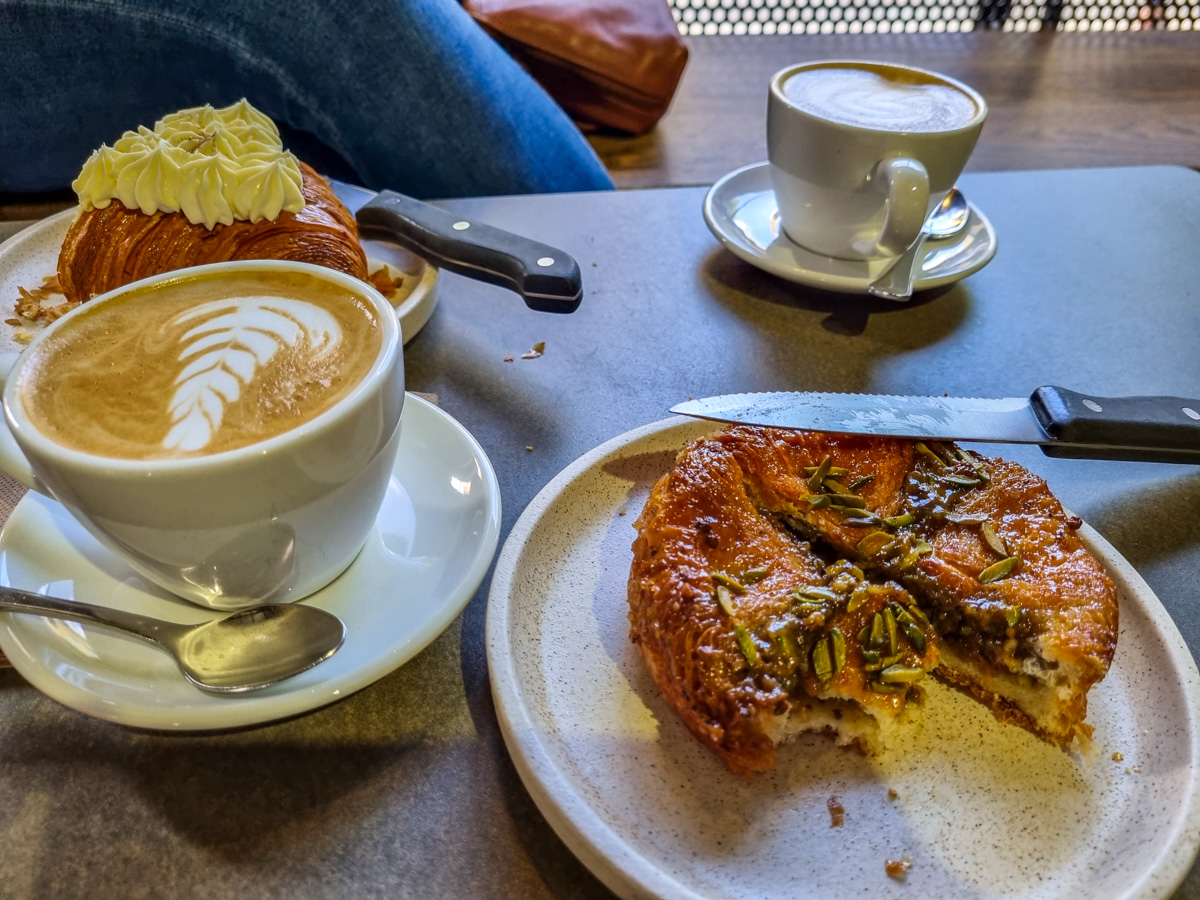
[741,212]
[31,255]
[430,548]
[983,810]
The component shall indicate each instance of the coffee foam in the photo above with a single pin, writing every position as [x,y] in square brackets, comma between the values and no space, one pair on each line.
[199,366]
[884,99]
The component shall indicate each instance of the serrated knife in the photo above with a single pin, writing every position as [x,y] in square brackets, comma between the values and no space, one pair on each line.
[1062,422]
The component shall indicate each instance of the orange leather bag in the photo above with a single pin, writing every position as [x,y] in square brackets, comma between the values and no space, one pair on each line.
[608,63]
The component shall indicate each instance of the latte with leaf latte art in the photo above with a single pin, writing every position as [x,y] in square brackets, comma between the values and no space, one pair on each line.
[199,365]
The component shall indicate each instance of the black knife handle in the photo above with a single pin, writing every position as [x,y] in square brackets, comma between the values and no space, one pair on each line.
[1145,429]
[547,278]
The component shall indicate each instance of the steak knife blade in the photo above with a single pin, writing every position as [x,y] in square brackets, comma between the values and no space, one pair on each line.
[1062,422]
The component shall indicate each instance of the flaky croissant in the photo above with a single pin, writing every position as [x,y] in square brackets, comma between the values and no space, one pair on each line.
[110,247]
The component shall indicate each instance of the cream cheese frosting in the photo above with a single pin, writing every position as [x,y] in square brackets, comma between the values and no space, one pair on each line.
[212,165]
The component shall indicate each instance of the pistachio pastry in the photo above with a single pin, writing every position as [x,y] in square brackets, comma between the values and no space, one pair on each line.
[788,581]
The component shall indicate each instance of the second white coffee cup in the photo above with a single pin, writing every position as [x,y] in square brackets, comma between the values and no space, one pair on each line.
[862,152]
[272,520]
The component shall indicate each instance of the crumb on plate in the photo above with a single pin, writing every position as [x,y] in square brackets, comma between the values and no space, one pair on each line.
[898,868]
[837,812]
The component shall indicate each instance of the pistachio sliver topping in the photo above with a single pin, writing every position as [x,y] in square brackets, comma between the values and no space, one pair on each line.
[954,519]
[861,483]
[1012,616]
[918,615]
[746,643]
[787,645]
[858,597]
[835,487]
[821,473]
[999,570]
[915,635]
[926,452]
[889,623]
[725,600]
[818,501]
[979,467]
[992,538]
[816,592]
[730,582]
[878,632]
[822,662]
[848,501]
[874,542]
[900,674]
[899,521]
[837,641]
[754,576]
[961,480]
[835,471]
[923,547]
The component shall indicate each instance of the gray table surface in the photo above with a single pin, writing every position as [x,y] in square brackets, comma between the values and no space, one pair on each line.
[406,789]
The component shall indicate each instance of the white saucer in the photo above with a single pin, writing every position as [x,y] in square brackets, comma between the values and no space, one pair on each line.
[984,810]
[741,212]
[31,255]
[429,551]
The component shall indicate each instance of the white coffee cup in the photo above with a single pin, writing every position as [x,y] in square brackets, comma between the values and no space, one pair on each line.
[272,521]
[862,152]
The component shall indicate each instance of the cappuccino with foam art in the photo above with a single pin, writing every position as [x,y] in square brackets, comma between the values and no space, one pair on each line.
[197,366]
[891,99]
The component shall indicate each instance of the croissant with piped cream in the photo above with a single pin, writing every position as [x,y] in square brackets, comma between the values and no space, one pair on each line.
[203,186]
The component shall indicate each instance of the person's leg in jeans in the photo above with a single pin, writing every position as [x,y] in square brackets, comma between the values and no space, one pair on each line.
[405,94]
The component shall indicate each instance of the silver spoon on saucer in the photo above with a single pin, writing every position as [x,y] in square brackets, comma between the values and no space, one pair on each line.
[948,219]
[246,650]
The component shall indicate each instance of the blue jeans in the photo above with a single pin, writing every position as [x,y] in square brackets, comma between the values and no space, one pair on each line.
[404,94]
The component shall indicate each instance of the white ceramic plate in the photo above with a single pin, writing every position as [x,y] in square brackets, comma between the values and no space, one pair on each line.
[982,809]
[31,255]
[429,551]
[741,212]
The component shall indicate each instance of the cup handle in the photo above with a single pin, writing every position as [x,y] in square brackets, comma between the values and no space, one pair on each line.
[906,184]
[12,461]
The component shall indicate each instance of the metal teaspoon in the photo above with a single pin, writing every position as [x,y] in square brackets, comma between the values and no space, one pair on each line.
[948,219]
[246,650]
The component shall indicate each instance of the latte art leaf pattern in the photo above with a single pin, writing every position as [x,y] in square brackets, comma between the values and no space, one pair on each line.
[226,351]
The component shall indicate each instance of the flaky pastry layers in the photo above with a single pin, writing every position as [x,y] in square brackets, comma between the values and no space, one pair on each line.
[110,247]
[785,581]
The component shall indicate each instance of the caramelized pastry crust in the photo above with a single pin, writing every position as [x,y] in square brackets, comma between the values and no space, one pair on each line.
[809,534]
[110,247]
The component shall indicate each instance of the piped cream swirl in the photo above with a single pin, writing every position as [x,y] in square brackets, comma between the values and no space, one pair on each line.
[212,165]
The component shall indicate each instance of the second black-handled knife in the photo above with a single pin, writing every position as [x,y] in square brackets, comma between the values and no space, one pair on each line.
[547,278]
[1062,422]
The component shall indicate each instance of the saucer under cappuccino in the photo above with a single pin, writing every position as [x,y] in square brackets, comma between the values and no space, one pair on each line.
[199,366]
